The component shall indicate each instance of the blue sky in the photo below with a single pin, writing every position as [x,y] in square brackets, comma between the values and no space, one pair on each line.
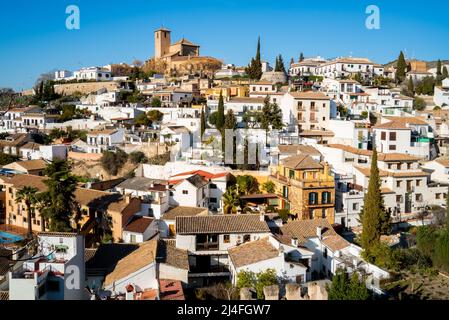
[34,40]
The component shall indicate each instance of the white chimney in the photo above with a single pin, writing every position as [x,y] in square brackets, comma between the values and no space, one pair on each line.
[319,232]
[262,217]
[295,242]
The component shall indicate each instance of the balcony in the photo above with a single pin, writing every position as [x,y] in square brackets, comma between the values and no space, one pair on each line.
[209,269]
[207,246]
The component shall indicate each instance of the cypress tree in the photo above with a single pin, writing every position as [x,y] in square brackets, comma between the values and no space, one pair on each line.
[374,217]
[411,86]
[281,64]
[439,71]
[401,68]
[447,210]
[203,122]
[230,120]
[254,69]
[445,72]
[220,113]
[277,67]
[292,61]
[301,57]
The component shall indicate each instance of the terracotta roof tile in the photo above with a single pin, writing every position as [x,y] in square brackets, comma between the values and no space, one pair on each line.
[221,224]
[140,258]
[181,211]
[167,253]
[252,252]
[302,161]
[138,224]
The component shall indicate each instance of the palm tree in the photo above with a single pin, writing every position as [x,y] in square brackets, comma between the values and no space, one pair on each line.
[231,200]
[28,195]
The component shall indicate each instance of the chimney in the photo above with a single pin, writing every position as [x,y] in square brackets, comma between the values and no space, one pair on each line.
[294,242]
[262,217]
[319,232]
[128,198]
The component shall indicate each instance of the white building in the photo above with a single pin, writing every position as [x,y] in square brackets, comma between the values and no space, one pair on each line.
[439,170]
[208,238]
[153,193]
[140,229]
[349,66]
[291,262]
[138,270]
[331,251]
[354,133]
[441,95]
[93,73]
[102,140]
[305,111]
[192,191]
[408,135]
[56,273]
[63,75]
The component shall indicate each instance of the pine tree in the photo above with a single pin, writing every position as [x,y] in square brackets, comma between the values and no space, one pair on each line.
[220,113]
[401,68]
[411,86]
[375,220]
[338,290]
[301,57]
[357,289]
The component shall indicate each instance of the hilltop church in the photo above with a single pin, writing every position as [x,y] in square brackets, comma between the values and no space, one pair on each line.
[179,51]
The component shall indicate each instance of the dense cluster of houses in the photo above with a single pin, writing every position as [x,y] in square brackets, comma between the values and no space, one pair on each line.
[167,223]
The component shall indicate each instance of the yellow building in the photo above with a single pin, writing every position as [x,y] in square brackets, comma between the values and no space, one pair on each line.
[306,188]
[231,91]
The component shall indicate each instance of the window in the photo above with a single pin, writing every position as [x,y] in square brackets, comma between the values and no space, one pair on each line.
[398,183]
[246,238]
[438,196]
[355,206]
[185,192]
[132,238]
[418,183]
[392,136]
[213,186]
[383,136]
[313,198]
[399,199]
[213,200]
[392,147]
[325,253]
[418,197]
[326,198]
[291,174]
[227,238]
